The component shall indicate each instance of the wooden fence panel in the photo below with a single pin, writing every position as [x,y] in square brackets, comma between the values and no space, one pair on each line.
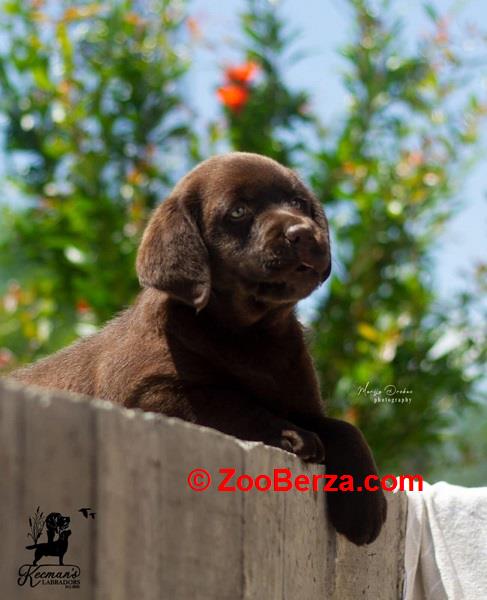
[147,534]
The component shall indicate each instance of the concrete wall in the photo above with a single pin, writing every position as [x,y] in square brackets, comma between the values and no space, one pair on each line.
[152,536]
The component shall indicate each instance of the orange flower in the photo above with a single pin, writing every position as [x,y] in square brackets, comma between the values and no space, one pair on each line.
[242,73]
[233,96]
[75,13]
[351,415]
[64,87]
[39,16]
[415,158]
[134,176]
[442,36]
[82,307]
[349,168]
[5,357]
[133,19]
[194,28]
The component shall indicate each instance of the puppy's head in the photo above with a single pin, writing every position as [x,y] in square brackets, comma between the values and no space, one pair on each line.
[238,223]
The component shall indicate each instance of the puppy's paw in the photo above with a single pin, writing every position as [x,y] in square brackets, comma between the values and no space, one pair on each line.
[359,516]
[305,444]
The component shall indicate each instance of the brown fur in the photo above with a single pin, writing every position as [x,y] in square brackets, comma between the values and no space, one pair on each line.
[213,338]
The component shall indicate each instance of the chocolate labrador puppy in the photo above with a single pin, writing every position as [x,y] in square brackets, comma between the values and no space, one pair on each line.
[213,338]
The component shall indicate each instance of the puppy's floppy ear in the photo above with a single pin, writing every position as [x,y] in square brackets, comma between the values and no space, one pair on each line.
[172,256]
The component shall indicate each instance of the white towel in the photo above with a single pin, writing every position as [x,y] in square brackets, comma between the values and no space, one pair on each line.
[446,543]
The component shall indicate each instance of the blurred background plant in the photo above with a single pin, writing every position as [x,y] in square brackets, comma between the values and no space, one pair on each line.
[91,109]
[97,121]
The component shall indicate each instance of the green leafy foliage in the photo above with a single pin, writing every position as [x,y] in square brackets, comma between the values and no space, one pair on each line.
[96,131]
[92,109]
[389,181]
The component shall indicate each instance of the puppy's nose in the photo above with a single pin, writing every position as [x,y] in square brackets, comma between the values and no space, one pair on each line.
[300,234]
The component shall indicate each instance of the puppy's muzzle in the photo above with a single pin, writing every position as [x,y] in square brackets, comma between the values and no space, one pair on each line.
[311,251]
[299,234]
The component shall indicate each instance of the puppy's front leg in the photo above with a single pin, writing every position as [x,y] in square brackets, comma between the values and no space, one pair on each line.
[359,515]
[233,413]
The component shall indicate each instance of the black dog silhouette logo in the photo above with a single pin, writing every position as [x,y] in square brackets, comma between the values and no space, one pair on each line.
[56,527]
[55,523]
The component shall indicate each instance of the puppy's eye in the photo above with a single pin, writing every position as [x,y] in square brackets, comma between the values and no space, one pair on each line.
[238,213]
[297,203]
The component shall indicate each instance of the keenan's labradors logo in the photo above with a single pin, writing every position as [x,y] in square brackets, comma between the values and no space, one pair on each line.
[48,563]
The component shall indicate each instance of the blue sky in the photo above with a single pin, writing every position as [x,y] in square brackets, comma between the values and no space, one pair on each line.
[325,26]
